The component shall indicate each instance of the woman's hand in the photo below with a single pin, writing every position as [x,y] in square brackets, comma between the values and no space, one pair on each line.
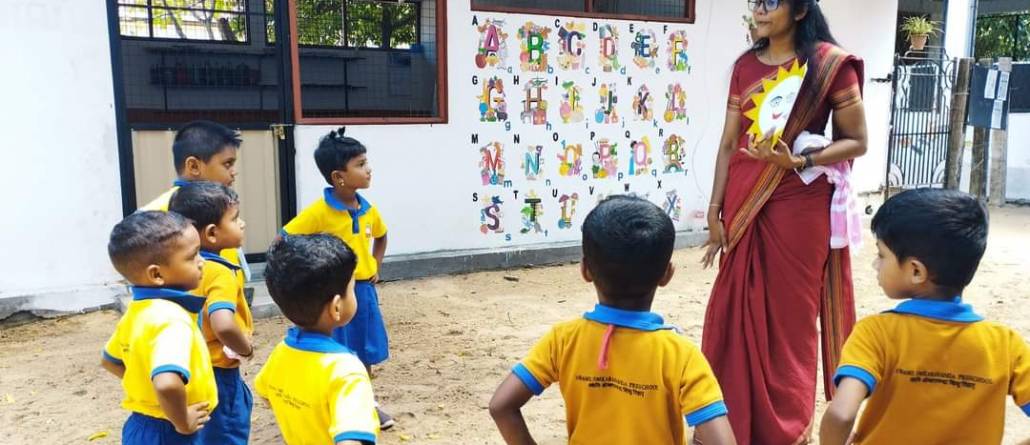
[716,239]
[777,153]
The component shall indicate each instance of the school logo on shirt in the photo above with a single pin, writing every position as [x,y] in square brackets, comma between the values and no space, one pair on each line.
[368,231]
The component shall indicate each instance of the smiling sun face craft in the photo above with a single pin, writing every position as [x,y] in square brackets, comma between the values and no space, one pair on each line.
[775,101]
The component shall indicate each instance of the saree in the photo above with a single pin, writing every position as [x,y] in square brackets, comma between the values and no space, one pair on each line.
[781,290]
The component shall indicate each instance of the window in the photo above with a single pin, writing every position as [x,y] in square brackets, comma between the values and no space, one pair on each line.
[1003,35]
[369,61]
[202,20]
[660,10]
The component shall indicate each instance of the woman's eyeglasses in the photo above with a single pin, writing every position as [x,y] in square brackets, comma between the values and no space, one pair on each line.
[768,5]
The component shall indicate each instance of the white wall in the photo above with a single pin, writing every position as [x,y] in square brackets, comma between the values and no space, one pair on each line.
[866,29]
[425,175]
[1017,181]
[60,187]
[959,29]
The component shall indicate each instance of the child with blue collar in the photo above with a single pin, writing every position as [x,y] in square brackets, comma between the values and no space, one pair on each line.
[225,320]
[932,369]
[204,151]
[344,213]
[317,388]
[157,349]
[625,376]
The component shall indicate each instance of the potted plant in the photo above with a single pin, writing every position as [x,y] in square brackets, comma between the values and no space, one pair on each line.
[919,30]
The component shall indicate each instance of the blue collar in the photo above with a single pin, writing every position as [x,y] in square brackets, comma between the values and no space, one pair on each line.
[639,320]
[304,340]
[954,310]
[180,182]
[188,301]
[211,256]
[363,207]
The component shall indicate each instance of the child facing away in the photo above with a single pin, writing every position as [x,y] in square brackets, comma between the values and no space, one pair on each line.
[204,151]
[344,213]
[625,375]
[157,349]
[318,388]
[932,369]
[226,321]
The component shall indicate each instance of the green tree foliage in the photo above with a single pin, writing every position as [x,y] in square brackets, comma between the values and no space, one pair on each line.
[370,24]
[1006,35]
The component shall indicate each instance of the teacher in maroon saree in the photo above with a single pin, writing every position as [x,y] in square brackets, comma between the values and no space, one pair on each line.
[781,289]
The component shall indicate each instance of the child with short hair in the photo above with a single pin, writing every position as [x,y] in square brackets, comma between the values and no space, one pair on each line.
[226,321]
[625,375]
[157,350]
[343,212]
[318,389]
[932,369]
[202,151]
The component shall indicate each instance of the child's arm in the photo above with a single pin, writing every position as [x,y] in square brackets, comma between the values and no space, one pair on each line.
[506,409]
[716,431]
[116,369]
[223,323]
[171,395]
[839,418]
[378,252]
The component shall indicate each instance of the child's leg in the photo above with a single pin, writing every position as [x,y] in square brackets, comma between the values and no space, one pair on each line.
[145,430]
[230,420]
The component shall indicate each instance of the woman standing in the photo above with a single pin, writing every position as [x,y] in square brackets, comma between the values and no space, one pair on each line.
[778,274]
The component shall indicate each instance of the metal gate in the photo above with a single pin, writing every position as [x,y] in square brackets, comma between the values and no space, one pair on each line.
[920,110]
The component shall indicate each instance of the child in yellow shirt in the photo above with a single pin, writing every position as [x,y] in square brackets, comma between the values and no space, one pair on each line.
[344,213]
[318,388]
[932,369]
[226,321]
[157,350]
[626,377]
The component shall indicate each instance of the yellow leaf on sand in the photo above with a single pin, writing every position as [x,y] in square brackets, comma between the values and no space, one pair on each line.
[97,435]
[9,399]
[405,437]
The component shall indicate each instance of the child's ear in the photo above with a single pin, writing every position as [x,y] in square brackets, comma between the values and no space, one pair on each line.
[336,308]
[583,270]
[210,233]
[153,275]
[192,166]
[670,270]
[918,271]
[337,177]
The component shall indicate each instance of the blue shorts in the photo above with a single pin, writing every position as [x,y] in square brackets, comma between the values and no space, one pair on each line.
[230,421]
[366,333]
[141,429]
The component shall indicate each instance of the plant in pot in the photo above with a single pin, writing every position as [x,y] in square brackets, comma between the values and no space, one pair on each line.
[919,30]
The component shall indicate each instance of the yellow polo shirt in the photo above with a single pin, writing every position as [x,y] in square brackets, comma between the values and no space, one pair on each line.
[222,288]
[158,333]
[356,227]
[637,387]
[319,391]
[160,204]
[936,373]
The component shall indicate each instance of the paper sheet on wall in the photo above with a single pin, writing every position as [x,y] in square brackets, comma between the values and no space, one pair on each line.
[996,114]
[991,85]
[1003,86]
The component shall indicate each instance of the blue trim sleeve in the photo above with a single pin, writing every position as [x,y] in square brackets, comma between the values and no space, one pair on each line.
[112,359]
[527,378]
[1026,409]
[171,368]
[360,436]
[702,415]
[219,306]
[856,373]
